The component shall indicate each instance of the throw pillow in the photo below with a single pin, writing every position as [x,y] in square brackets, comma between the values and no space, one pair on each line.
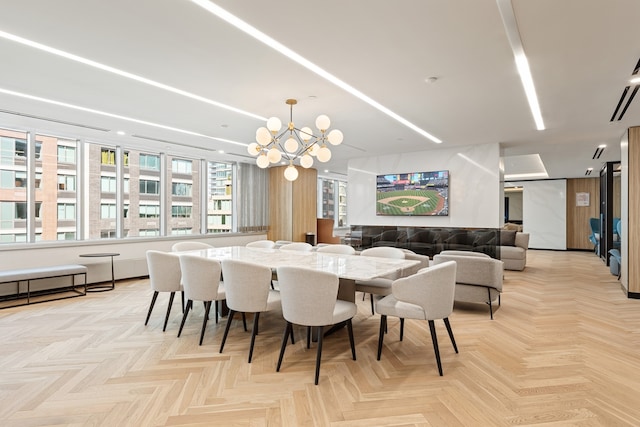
[507,238]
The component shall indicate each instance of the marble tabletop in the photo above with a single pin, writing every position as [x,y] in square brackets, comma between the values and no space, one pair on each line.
[354,267]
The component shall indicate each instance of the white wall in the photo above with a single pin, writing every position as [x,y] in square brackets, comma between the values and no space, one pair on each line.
[544,216]
[474,186]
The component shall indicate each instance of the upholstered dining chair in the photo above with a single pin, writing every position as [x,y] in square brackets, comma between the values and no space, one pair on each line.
[247,289]
[164,276]
[189,246]
[426,295]
[336,249]
[267,244]
[297,246]
[201,282]
[309,298]
[381,285]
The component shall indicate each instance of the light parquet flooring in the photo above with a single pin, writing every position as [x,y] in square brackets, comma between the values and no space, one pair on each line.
[564,349]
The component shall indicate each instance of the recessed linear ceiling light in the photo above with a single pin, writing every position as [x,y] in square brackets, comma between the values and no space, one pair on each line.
[262,37]
[599,151]
[123,73]
[513,34]
[115,116]
[635,79]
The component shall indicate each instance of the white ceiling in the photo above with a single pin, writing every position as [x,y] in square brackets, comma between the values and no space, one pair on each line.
[581,53]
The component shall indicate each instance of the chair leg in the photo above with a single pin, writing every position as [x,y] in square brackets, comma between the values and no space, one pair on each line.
[153,302]
[226,329]
[184,316]
[383,324]
[217,311]
[453,340]
[434,338]
[490,306]
[319,355]
[182,299]
[500,302]
[351,341]
[285,337]
[308,336]
[254,332]
[244,321]
[372,310]
[204,322]
[293,341]
[401,328]
[166,319]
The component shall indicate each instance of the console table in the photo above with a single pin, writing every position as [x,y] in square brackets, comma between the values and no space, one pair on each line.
[102,288]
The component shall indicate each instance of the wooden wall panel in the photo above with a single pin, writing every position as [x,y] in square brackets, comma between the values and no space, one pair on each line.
[578,229]
[634,210]
[292,205]
[280,205]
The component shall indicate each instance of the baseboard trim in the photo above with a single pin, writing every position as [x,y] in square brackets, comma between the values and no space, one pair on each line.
[633,295]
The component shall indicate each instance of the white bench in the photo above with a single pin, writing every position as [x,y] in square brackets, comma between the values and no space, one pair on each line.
[40,273]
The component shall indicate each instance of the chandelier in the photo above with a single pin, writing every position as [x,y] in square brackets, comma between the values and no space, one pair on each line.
[299,144]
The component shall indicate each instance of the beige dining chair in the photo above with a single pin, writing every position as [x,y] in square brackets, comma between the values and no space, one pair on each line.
[381,285]
[297,246]
[247,289]
[309,298]
[164,276]
[336,249]
[267,244]
[189,246]
[426,295]
[201,282]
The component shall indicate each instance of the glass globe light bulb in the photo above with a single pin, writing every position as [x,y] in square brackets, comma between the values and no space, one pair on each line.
[274,124]
[263,136]
[253,149]
[306,133]
[291,145]
[323,122]
[324,154]
[262,161]
[335,137]
[291,173]
[314,150]
[274,155]
[306,161]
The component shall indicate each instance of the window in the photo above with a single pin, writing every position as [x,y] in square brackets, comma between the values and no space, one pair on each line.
[149,232]
[181,231]
[66,211]
[108,234]
[332,201]
[66,155]
[149,211]
[107,211]
[67,182]
[148,186]
[108,156]
[181,166]
[108,184]
[67,235]
[181,188]
[148,161]
[181,211]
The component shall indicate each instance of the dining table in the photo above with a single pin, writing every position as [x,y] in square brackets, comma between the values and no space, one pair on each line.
[348,268]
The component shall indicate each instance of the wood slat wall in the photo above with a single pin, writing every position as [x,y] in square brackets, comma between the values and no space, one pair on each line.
[578,229]
[292,205]
[634,210]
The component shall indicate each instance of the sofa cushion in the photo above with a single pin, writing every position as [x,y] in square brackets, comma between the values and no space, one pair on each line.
[507,237]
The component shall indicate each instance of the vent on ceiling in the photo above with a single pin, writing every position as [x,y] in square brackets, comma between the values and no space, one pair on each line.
[47,119]
[624,96]
[598,152]
[588,172]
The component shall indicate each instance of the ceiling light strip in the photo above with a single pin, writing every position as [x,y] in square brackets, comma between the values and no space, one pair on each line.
[262,37]
[513,34]
[115,116]
[624,94]
[123,73]
[633,94]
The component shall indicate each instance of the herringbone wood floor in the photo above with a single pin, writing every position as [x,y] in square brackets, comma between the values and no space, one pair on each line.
[563,350]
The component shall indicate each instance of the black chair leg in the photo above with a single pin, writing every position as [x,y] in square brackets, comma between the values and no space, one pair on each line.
[490,305]
[319,355]
[453,340]
[308,336]
[285,337]
[254,332]
[434,338]
[244,322]
[184,316]
[153,302]
[351,341]
[226,329]
[166,319]
[217,311]
[204,322]
[372,310]
[182,299]
[383,324]
[401,328]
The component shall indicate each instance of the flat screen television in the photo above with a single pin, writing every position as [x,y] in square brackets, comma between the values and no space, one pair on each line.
[414,193]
